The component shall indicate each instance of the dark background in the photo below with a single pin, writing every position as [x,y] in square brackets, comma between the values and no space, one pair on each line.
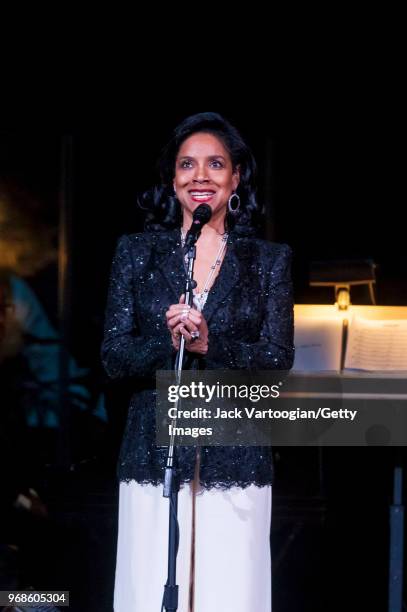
[327,176]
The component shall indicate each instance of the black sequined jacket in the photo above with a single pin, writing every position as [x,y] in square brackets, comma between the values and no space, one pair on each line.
[251,298]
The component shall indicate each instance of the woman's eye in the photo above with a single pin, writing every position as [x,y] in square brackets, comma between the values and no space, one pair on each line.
[186,164]
[216,163]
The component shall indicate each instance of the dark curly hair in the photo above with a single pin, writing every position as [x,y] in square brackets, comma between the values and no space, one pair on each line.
[163,208]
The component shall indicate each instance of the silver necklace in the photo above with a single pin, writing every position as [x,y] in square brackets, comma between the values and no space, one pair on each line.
[200,298]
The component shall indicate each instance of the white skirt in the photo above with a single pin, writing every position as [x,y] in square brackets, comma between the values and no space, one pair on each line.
[224,560]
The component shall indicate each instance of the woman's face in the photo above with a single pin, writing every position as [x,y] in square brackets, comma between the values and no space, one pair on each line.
[204,174]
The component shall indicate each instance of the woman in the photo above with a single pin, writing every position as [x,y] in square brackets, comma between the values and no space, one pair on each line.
[242,318]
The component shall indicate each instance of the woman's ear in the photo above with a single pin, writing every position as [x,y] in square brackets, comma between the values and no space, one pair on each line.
[236,177]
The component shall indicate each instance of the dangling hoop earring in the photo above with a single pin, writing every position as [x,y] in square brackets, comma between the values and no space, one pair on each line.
[233,209]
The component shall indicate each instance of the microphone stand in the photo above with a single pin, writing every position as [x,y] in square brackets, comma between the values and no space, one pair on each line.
[171,481]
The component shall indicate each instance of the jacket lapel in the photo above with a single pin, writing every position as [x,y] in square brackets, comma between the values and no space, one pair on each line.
[168,253]
[229,274]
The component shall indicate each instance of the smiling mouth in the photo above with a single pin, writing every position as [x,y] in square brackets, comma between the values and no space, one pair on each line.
[201,196]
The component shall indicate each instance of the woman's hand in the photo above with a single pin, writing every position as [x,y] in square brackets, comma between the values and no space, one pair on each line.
[183,319]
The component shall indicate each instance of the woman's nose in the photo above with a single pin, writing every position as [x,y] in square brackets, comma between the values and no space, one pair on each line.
[200,174]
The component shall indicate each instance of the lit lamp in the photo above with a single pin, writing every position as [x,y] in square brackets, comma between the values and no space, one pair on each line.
[342,275]
[342,296]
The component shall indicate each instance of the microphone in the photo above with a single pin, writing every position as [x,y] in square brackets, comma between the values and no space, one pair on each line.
[201,215]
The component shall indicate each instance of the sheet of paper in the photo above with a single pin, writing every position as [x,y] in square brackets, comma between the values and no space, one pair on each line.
[377,345]
[318,343]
